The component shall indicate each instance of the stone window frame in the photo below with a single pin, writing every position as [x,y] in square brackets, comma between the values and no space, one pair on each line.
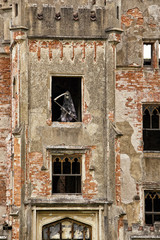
[49,112]
[146,105]
[65,150]
[154,55]
[150,61]
[146,186]
[153,213]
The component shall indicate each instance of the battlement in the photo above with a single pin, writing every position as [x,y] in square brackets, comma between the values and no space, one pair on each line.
[66,22]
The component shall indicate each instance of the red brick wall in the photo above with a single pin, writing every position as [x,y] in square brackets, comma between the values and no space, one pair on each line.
[40,180]
[5,126]
[89,185]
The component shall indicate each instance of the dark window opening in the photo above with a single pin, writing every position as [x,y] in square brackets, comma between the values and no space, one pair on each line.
[66,176]
[66,99]
[16,9]
[147,54]
[152,207]
[66,229]
[151,127]
[117,12]
[14,87]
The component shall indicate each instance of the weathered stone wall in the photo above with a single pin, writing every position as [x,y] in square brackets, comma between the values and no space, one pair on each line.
[136,85]
[67,58]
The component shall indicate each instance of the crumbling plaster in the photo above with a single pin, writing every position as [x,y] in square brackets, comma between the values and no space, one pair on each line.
[139,20]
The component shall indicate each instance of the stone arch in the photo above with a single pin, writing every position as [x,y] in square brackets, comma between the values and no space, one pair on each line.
[66,228]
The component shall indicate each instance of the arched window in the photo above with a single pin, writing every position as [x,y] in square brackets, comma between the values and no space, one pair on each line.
[152,207]
[151,127]
[66,229]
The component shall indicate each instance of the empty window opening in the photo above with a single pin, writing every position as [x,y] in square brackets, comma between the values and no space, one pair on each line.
[66,99]
[117,12]
[152,207]
[66,174]
[66,229]
[14,87]
[147,54]
[16,9]
[151,127]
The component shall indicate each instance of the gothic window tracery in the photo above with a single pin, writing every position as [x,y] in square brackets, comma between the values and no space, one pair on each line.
[151,127]
[66,229]
[152,207]
[66,174]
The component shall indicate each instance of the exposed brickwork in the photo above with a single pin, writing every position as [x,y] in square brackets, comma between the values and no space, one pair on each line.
[5,128]
[144,87]
[89,185]
[36,46]
[120,227]
[18,34]
[132,15]
[40,180]
[15,228]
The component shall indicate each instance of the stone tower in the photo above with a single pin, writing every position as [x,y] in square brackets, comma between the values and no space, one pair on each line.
[79,119]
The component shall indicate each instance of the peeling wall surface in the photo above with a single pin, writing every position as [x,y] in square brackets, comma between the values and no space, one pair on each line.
[136,85]
[95,176]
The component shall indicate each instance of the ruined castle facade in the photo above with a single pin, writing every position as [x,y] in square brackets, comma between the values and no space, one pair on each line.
[79,119]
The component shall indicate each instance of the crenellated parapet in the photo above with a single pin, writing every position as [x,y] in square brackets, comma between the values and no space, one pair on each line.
[66,22]
[49,21]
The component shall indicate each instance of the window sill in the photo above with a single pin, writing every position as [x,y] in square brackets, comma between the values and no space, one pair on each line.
[148,68]
[61,195]
[151,154]
[67,124]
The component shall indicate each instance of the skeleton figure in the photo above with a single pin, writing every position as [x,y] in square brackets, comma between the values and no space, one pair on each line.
[68,112]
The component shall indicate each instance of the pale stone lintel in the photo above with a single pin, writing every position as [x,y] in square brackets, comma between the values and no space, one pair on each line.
[66,149]
[100,208]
